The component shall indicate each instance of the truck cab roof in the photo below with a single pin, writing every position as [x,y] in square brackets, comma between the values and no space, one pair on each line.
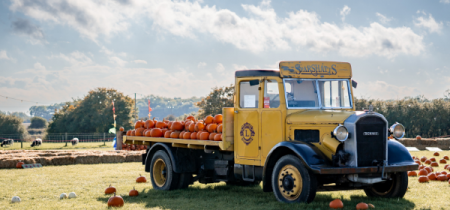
[257,73]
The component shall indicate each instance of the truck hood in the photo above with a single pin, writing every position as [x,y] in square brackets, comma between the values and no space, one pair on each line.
[318,117]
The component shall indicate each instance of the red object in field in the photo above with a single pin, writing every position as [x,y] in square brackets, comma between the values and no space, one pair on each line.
[19,164]
[336,204]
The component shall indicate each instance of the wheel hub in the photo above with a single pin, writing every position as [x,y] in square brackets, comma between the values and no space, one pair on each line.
[159,172]
[290,182]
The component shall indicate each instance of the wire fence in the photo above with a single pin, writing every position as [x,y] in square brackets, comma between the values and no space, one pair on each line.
[65,137]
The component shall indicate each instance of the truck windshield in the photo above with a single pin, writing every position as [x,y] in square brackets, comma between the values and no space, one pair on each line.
[317,93]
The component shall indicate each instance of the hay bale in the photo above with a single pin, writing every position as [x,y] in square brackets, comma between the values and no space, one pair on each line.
[66,160]
[8,163]
[112,158]
[45,161]
[47,154]
[133,158]
[88,159]
[29,160]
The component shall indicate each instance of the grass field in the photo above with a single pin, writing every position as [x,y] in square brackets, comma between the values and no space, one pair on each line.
[61,146]
[40,189]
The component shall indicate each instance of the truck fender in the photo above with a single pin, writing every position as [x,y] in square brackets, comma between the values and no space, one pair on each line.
[398,154]
[307,153]
[156,147]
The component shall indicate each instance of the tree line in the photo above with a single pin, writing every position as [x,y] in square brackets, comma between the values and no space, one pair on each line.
[93,113]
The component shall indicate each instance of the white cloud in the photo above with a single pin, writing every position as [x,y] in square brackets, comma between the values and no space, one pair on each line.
[261,30]
[117,61]
[39,66]
[201,64]
[445,1]
[383,19]
[75,58]
[344,12]
[430,24]
[140,61]
[220,68]
[90,18]
[4,55]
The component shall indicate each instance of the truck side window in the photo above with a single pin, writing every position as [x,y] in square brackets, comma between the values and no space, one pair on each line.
[249,95]
[271,94]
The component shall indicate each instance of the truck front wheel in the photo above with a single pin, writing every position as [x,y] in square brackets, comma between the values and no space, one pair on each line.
[395,188]
[161,172]
[292,182]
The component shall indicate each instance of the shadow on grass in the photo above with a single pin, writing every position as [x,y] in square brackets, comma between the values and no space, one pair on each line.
[233,197]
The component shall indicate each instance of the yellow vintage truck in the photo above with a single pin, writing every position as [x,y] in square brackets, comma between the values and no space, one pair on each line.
[295,130]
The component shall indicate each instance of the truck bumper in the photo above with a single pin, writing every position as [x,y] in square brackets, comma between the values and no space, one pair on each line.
[364,170]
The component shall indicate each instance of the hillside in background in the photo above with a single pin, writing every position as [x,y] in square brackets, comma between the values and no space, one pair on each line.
[165,106]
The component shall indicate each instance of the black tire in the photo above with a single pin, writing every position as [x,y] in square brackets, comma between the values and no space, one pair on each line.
[185,180]
[163,178]
[243,183]
[395,188]
[284,181]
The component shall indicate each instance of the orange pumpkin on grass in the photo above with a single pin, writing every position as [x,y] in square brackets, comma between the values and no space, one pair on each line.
[133,193]
[336,204]
[110,190]
[412,173]
[423,179]
[115,201]
[141,179]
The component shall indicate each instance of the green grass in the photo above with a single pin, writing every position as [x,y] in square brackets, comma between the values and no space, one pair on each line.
[40,189]
[61,146]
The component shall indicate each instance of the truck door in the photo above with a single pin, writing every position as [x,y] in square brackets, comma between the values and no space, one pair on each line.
[246,118]
[271,116]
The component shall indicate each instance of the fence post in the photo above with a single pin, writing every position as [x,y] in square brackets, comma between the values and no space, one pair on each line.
[21,143]
[66,139]
[104,140]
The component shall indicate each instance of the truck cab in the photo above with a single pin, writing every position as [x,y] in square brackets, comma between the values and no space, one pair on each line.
[296,130]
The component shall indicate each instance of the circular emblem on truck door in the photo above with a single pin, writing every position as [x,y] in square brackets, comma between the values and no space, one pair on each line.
[247,133]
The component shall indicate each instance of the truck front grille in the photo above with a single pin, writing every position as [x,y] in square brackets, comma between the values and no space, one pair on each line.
[371,140]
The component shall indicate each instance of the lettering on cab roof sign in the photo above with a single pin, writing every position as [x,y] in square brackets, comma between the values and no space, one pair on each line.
[315,69]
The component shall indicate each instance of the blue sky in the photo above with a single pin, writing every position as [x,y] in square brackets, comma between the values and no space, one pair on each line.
[53,51]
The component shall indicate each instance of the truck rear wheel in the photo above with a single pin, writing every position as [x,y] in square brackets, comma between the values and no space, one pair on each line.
[292,182]
[395,188]
[161,172]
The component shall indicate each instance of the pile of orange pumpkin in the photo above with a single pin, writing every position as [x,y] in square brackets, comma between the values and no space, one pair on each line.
[133,147]
[427,174]
[209,128]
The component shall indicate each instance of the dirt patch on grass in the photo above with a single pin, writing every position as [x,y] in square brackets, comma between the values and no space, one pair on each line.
[9,158]
[442,143]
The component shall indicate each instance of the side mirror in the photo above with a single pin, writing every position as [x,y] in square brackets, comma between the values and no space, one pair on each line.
[254,82]
[354,84]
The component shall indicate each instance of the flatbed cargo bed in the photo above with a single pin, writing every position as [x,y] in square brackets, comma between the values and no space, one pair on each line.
[225,145]
[184,143]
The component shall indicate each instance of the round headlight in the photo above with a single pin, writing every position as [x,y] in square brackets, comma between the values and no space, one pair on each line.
[397,130]
[340,133]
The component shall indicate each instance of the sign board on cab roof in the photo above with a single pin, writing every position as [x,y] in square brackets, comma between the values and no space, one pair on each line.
[315,69]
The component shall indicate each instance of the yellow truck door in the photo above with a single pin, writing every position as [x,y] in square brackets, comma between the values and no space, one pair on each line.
[272,121]
[247,118]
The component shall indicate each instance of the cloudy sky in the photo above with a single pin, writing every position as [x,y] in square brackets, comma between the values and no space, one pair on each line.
[55,50]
